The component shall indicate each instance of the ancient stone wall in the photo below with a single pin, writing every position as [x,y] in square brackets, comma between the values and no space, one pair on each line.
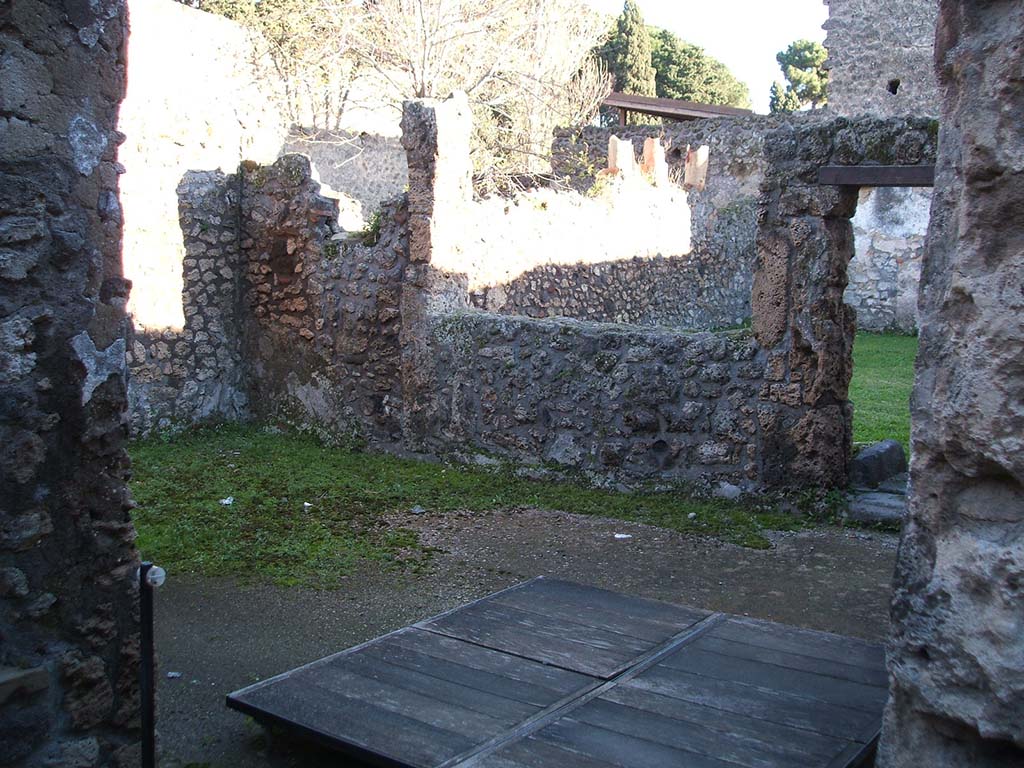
[69,643]
[179,377]
[322,337]
[383,342]
[957,681]
[888,231]
[670,291]
[880,57]
[607,256]
[619,403]
[197,100]
[367,169]
[644,403]
[875,48]
[804,243]
[709,287]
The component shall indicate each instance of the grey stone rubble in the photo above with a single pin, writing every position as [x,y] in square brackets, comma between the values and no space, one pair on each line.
[876,507]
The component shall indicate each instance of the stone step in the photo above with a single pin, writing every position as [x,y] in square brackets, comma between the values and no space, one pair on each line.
[895,484]
[876,507]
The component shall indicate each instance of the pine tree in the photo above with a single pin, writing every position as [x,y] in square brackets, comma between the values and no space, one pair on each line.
[685,71]
[803,64]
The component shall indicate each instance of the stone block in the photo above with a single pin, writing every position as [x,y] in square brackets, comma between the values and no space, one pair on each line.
[876,507]
[877,463]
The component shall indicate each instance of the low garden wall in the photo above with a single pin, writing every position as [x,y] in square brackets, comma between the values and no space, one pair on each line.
[616,402]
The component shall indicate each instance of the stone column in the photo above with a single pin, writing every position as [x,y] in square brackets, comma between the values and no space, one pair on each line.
[69,643]
[956,652]
[436,136]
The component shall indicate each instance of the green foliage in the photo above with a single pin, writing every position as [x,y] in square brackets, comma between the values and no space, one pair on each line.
[883,377]
[782,100]
[684,71]
[371,233]
[268,533]
[803,64]
[236,10]
[627,53]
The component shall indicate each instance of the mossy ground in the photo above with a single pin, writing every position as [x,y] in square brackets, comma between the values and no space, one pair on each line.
[883,377]
[268,532]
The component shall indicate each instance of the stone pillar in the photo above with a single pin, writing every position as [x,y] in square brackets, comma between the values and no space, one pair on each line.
[69,643]
[436,136]
[622,157]
[956,652]
[654,165]
[804,242]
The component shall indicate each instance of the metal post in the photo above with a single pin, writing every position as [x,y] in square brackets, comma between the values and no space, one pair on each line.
[150,576]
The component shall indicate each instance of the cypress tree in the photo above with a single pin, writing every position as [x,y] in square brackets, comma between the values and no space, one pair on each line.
[631,65]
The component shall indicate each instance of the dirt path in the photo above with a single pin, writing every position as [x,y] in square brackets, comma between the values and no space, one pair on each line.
[220,636]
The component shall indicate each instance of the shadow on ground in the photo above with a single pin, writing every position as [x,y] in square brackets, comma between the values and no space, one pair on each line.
[220,635]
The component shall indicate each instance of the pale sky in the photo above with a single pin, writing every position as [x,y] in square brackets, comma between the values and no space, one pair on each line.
[743,34]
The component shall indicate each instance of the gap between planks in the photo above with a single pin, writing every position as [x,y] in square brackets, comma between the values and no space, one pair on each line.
[578,699]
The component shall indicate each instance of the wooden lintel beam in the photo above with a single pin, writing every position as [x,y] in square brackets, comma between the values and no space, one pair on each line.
[877,175]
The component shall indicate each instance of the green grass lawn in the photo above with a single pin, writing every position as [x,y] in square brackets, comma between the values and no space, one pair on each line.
[883,376]
[268,532]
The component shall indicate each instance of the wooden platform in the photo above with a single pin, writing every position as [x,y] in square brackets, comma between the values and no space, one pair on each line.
[550,673]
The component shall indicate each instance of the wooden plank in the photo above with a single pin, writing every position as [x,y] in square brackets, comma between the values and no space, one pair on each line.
[758,703]
[811,685]
[553,713]
[689,737]
[363,730]
[436,711]
[538,638]
[490,660]
[875,676]
[647,620]
[533,753]
[489,703]
[806,642]
[677,616]
[671,108]
[551,673]
[801,745]
[877,175]
[622,749]
[470,677]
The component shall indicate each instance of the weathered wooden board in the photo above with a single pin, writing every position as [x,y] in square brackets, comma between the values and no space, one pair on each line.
[877,175]
[554,674]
